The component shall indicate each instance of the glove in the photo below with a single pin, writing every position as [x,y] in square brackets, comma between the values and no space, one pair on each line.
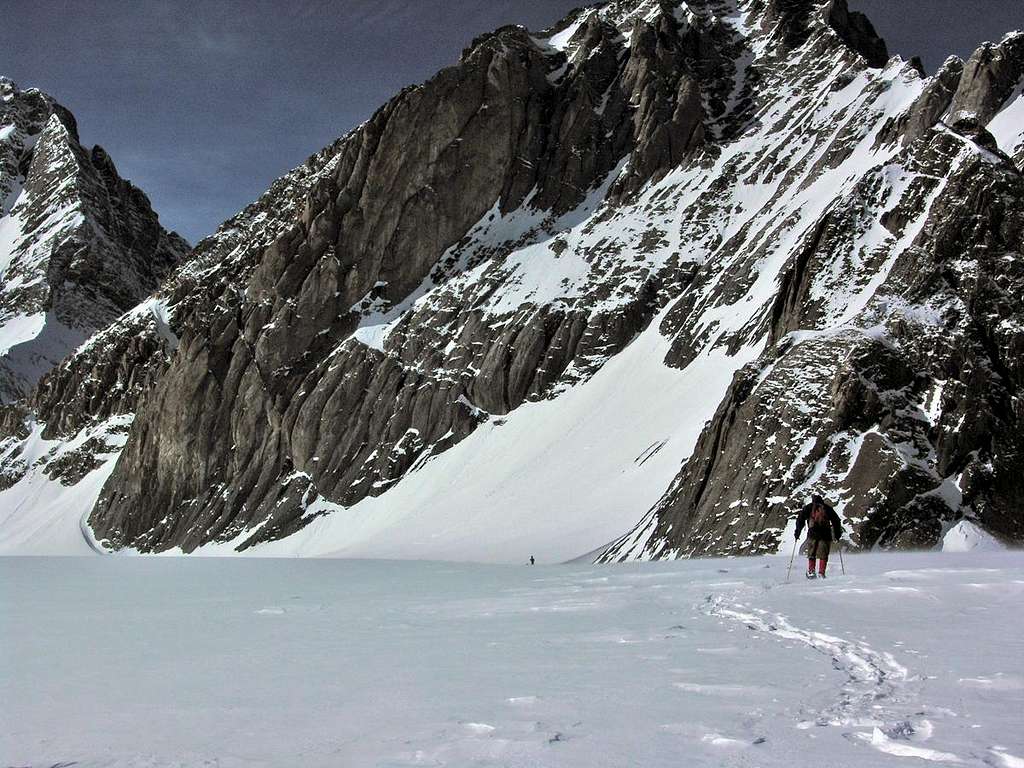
[796,535]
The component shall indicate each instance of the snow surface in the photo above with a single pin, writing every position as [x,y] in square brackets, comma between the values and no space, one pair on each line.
[966,536]
[128,662]
[560,40]
[19,330]
[41,515]
[31,345]
[1008,126]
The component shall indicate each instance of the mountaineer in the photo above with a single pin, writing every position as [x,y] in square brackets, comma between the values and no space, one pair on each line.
[823,526]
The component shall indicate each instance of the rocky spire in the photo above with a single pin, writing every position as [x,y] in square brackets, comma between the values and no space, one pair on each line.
[989,78]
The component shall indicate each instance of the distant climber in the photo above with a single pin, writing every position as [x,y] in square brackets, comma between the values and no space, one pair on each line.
[531,560]
[823,525]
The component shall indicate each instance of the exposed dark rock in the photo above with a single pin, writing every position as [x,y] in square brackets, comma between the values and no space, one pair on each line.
[13,421]
[934,102]
[510,129]
[989,77]
[70,467]
[793,18]
[113,371]
[856,30]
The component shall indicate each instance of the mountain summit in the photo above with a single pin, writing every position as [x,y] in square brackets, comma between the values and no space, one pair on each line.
[79,245]
[648,277]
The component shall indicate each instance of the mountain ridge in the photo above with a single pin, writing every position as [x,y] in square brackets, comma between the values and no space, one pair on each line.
[652,189]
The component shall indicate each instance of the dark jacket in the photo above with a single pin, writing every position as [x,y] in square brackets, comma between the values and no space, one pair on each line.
[828,529]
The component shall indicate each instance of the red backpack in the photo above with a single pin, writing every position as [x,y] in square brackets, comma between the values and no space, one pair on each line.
[818,516]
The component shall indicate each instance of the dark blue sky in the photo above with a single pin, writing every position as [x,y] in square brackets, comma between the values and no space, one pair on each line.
[203,104]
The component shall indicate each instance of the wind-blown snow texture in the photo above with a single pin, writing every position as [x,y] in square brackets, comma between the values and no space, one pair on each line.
[646,278]
[131,662]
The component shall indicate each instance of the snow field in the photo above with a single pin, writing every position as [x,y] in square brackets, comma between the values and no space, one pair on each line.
[908,660]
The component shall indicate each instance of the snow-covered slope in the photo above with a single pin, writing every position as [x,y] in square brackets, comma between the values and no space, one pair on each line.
[47,482]
[909,660]
[503,316]
[78,244]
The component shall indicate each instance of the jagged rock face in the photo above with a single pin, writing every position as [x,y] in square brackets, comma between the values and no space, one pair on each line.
[990,94]
[740,185]
[111,373]
[79,245]
[487,132]
[799,20]
[64,441]
[545,122]
[935,101]
[908,412]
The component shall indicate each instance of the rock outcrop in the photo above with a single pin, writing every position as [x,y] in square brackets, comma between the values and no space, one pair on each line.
[857,31]
[990,77]
[345,419]
[907,417]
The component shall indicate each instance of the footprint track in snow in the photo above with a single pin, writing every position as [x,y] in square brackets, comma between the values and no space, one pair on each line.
[872,678]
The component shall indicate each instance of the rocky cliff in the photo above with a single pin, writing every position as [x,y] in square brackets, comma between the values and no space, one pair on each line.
[503,314]
[79,245]
[904,406]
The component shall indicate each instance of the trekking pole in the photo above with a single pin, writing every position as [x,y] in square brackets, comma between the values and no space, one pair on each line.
[791,558]
[841,563]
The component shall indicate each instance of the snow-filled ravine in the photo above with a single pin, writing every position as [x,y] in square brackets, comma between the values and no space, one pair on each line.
[120,661]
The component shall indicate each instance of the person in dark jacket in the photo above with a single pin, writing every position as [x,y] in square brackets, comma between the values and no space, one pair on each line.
[823,525]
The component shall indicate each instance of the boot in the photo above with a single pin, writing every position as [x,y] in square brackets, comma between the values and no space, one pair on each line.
[822,564]
[810,568]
